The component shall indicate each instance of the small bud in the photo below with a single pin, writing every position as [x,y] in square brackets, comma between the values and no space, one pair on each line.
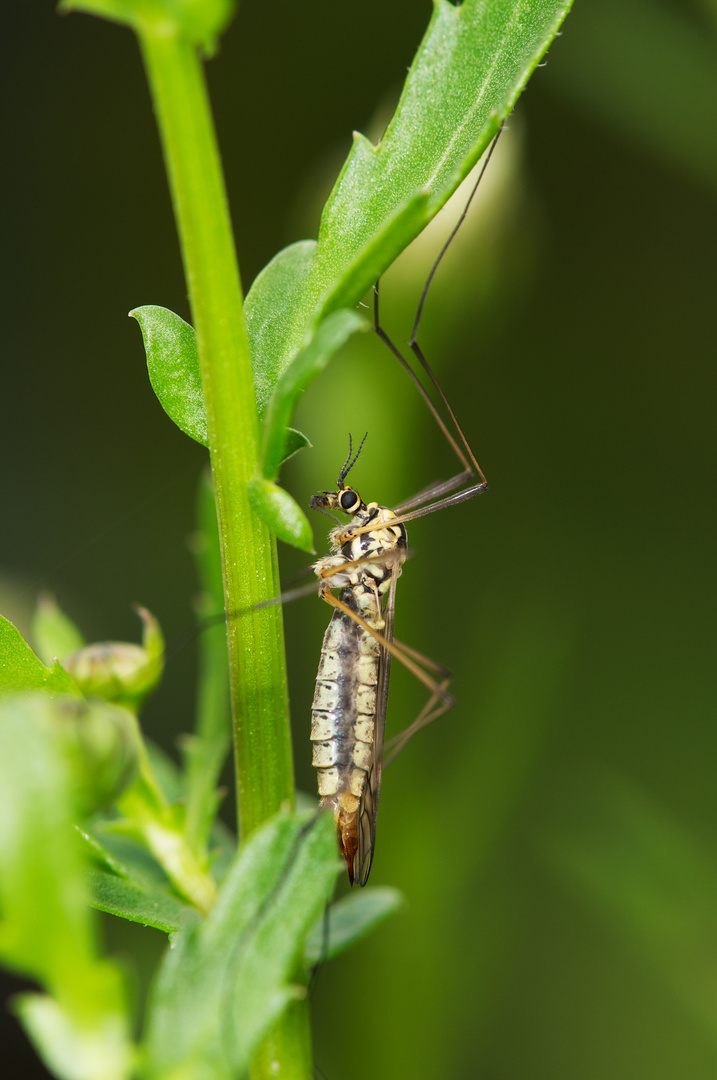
[119,671]
[101,744]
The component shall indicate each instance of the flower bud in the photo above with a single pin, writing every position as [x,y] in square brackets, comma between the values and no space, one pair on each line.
[101,744]
[119,671]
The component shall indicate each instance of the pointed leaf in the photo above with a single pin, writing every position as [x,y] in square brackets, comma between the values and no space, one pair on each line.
[226,981]
[329,337]
[55,635]
[120,855]
[281,513]
[350,919]
[172,354]
[293,442]
[150,905]
[274,293]
[170,345]
[21,669]
[469,70]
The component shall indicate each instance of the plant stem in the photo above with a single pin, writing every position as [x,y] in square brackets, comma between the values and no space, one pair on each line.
[262,736]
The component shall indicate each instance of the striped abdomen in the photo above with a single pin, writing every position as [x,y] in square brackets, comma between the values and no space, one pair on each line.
[344,713]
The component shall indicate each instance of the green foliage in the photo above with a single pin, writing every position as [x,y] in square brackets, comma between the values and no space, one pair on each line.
[468,73]
[349,920]
[173,366]
[21,669]
[331,335]
[466,77]
[225,981]
[70,739]
[199,21]
[55,635]
[81,1024]
[281,513]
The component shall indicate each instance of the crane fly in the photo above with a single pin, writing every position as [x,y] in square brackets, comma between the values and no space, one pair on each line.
[367,554]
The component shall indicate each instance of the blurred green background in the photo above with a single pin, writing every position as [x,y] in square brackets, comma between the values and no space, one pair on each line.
[555,835]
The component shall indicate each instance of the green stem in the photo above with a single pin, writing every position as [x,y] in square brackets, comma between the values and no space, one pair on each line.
[143,803]
[262,737]
[169,847]
[262,734]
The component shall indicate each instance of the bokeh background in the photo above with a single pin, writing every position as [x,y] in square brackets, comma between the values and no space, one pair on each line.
[555,836]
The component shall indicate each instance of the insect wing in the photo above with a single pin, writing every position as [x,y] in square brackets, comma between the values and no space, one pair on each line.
[368,807]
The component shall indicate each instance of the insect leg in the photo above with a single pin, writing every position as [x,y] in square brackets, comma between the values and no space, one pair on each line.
[463,477]
[400,653]
[413,343]
[463,452]
[432,710]
[441,504]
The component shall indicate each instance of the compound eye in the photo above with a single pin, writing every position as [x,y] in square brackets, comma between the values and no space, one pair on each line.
[349,500]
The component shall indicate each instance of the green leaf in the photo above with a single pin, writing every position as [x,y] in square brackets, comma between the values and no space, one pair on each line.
[173,365]
[147,818]
[349,920]
[55,635]
[21,669]
[39,859]
[170,345]
[120,854]
[293,442]
[226,981]
[152,906]
[329,337]
[173,785]
[124,879]
[46,931]
[274,294]
[74,1049]
[199,21]
[466,77]
[281,513]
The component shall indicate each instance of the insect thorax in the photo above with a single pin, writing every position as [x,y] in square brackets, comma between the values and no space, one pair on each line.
[370,535]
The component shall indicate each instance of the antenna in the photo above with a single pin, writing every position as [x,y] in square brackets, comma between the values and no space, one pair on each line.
[349,464]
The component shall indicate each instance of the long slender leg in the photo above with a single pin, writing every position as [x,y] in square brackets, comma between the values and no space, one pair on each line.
[463,452]
[434,490]
[365,560]
[470,465]
[441,504]
[398,651]
[440,701]
[417,382]
[413,343]
[432,710]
